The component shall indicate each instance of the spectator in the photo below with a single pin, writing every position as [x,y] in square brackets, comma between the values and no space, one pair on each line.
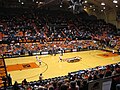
[15,86]
[73,86]
[9,78]
[41,77]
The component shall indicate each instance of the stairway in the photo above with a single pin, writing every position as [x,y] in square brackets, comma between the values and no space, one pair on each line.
[3,72]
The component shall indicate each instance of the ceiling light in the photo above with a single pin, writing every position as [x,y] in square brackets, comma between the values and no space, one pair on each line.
[19,0]
[90,5]
[22,2]
[85,1]
[101,10]
[84,7]
[40,2]
[94,9]
[116,6]
[103,7]
[102,3]
[60,5]
[36,1]
[115,1]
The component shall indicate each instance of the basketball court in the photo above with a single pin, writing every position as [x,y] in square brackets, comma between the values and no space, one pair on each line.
[28,67]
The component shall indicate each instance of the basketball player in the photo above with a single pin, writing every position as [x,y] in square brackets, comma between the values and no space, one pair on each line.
[113,51]
[60,58]
[61,51]
[38,59]
[40,77]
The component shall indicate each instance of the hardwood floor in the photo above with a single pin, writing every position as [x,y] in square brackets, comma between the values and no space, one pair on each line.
[51,67]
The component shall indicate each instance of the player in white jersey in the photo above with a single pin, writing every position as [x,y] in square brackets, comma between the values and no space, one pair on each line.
[60,58]
[38,59]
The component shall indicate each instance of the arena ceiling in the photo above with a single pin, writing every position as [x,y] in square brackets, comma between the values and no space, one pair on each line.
[95,5]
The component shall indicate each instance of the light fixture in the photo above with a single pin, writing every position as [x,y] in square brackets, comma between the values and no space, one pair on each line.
[101,10]
[19,0]
[116,6]
[22,2]
[115,1]
[94,9]
[85,1]
[60,5]
[90,6]
[103,7]
[40,2]
[102,3]
[36,1]
[84,7]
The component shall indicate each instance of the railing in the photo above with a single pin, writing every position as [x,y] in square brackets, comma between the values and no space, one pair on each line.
[3,72]
[108,83]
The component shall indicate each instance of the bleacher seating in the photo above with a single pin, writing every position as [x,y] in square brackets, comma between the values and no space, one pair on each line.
[29,32]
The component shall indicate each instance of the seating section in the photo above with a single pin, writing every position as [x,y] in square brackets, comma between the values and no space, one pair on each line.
[19,30]
[79,79]
[19,49]
[31,31]
[52,26]
[2,72]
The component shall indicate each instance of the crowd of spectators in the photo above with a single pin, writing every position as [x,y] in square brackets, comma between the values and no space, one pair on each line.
[78,80]
[17,30]
[33,32]
[18,49]
[53,26]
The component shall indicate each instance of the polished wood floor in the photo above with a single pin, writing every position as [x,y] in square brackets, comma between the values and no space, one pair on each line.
[51,67]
